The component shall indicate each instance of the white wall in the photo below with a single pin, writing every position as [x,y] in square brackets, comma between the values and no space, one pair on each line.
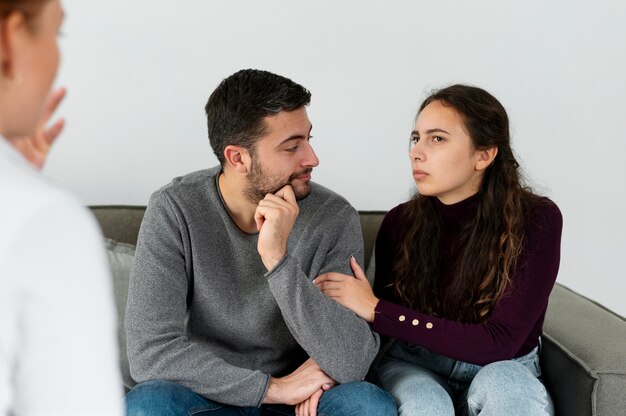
[139,73]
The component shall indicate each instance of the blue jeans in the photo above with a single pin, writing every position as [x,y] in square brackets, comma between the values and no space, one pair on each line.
[170,399]
[424,383]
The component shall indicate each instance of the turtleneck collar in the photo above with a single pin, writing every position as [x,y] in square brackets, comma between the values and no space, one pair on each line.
[454,215]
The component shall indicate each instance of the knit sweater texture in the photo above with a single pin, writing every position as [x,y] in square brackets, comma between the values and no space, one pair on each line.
[515,324]
[205,313]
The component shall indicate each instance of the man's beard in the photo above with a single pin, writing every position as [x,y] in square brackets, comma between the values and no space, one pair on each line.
[261,183]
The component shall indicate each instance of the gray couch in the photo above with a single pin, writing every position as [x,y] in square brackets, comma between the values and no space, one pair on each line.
[584,348]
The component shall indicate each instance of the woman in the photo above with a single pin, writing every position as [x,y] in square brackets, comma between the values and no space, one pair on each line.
[463,270]
[57,329]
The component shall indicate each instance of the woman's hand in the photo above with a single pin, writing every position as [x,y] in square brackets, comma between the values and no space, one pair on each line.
[36,147]
[355,293]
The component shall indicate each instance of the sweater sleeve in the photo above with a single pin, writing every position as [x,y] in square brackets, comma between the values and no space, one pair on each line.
[158,346]
[511,320]
[340,342]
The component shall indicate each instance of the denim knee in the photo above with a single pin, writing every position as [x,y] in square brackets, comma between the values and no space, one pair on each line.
[509,387]
[164,398]
[359,398]
[417,390]
[428,400]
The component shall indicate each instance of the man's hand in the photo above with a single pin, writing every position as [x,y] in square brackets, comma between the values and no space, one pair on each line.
[309,406]
[36,147]
[274,217]
[298,386]
[354,293]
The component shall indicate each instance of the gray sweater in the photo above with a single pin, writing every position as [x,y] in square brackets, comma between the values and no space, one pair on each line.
[204,312]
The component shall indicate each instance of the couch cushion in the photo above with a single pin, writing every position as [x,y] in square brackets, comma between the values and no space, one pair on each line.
[121,260]
[584,355]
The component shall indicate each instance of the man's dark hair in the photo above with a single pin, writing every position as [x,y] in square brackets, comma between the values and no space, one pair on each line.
[235,110]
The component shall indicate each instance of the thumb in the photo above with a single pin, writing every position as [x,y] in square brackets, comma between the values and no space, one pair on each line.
[288,195]
[356,269]
[259,219]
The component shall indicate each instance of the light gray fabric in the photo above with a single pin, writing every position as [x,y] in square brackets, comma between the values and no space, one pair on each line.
[120,257]
[243,324]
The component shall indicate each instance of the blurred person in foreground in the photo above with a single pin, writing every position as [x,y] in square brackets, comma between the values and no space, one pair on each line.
[58,353]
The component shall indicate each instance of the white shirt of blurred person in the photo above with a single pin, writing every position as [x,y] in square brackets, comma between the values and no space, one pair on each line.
[58,353]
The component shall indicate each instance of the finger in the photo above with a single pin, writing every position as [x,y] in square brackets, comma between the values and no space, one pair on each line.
[53,131]
[314,402]
[54,101]
[272,201]
[330,277]
[304,408]
[332,293]
[358,271]
[281,192]
[276,199]
[329,285]
[259,217]
[289,195]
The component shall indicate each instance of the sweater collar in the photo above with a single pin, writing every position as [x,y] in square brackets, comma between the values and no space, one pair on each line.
[455,215]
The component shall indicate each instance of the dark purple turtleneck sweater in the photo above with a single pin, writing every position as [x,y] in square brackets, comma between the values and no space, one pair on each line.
[514,325]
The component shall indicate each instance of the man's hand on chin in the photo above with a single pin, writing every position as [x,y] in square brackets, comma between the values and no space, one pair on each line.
[275,216]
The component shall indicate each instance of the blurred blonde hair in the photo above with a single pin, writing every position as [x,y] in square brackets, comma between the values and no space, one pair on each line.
[29,8]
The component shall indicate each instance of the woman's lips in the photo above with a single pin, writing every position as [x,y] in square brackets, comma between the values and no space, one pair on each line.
[419,174]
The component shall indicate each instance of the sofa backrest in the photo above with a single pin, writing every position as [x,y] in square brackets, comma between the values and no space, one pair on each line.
[121,223]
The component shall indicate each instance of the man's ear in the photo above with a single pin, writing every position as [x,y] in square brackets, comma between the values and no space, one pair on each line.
[11,28]
[486,158]
[238,158]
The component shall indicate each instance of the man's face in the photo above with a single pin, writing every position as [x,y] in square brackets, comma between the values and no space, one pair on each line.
[283,156]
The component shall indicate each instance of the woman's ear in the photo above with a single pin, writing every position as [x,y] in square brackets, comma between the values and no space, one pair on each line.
[11,27]
[486,158]
[237,157]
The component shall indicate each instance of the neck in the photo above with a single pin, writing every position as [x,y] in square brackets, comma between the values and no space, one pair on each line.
[240,209]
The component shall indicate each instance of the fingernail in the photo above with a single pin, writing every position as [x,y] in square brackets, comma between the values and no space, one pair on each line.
[314,281]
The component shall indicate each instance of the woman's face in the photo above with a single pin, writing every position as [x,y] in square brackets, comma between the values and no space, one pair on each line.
[35,63]
[444,161]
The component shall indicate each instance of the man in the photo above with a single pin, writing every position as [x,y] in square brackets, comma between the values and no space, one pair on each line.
[222,312]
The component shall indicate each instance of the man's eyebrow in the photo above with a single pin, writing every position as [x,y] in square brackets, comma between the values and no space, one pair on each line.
[296,137]
[430,131]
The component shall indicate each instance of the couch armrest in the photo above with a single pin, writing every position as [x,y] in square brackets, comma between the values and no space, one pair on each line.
[584,356]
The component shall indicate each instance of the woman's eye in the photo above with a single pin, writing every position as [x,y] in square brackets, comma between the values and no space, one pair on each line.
[437,139]
[292,149]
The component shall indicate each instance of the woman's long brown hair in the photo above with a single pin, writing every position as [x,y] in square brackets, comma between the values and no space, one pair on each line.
[490,241]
